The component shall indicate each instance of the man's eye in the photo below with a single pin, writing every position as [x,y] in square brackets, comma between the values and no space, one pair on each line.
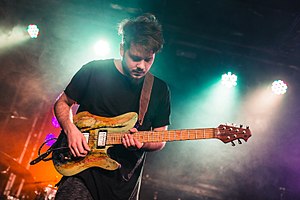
[136,59]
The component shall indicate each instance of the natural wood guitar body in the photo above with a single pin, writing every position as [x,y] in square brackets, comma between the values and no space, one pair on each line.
[68,165]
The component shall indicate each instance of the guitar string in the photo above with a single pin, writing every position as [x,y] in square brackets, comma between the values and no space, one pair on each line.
[156,136]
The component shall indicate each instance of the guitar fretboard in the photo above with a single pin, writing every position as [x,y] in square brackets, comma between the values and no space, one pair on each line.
[165,136]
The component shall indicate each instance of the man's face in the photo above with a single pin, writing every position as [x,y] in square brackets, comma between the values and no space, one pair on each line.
[136,61]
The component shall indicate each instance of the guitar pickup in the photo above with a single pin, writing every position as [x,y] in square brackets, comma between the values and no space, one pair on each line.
[101,141]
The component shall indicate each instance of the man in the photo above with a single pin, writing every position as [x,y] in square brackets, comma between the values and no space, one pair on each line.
[110,88]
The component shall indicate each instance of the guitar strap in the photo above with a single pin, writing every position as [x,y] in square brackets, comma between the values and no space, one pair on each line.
[145,96]
[144,102]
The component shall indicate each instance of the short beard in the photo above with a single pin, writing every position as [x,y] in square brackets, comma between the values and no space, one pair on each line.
[127,74]
[125,69]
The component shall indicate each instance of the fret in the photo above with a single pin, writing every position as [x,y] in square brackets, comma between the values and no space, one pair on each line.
[148,137]
[193,135]
[181,134]
[152,136]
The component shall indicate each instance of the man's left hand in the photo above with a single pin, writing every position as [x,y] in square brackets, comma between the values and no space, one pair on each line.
[130,142]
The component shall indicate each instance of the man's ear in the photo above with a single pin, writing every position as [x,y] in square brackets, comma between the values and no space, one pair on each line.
[121,50]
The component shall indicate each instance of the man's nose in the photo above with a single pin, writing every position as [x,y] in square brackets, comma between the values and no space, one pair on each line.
[141,65]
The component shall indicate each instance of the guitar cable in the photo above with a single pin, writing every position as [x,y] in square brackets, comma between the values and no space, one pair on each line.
[43,156]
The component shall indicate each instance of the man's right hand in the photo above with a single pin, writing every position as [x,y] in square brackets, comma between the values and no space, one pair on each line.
[63,113]
[77,142]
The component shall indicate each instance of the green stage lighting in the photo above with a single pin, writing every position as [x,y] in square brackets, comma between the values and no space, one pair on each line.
[33,30]
[102,48]
[229,80]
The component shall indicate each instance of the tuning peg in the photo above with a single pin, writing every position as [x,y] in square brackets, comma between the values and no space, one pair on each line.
[239,141]
[232,143]
[241,126]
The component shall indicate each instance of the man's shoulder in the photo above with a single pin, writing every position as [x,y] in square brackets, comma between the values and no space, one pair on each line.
[160,84]
[98,66]
[99,63]
[159,81]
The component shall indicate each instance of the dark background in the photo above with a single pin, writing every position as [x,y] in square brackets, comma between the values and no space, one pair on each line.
[257,40]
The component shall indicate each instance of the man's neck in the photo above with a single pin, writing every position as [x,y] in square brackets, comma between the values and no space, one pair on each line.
[118,65]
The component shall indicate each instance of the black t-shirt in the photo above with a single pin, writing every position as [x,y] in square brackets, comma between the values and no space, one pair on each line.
[98,87]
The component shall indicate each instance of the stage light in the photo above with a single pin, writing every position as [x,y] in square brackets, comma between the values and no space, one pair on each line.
[102,48]
[55,122]
[50,139]
[33,30]
[279,87]
[229,80]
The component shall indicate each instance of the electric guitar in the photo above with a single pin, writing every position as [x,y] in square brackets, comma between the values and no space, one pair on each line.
[103,132]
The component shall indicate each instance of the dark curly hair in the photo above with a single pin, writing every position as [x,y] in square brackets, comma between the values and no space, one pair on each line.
[144,30]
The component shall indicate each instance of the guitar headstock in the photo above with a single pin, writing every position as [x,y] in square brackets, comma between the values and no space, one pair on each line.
[230,133]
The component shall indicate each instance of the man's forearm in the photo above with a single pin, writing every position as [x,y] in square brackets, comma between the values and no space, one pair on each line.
[63,112]
[153,146]
[76,141]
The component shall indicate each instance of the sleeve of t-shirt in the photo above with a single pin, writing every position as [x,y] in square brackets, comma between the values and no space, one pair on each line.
[162,117]
[78,84]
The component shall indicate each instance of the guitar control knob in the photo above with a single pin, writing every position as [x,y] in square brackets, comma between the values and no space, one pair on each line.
[61,157]
[232,143]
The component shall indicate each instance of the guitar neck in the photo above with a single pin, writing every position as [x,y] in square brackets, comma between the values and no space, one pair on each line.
[165,136]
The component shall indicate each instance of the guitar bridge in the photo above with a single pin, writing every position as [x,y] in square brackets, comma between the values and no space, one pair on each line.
[101,141]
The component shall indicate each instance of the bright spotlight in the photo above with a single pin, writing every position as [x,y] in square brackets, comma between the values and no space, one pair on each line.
[229,80]
[102,48]
[279,87]
[33,30]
